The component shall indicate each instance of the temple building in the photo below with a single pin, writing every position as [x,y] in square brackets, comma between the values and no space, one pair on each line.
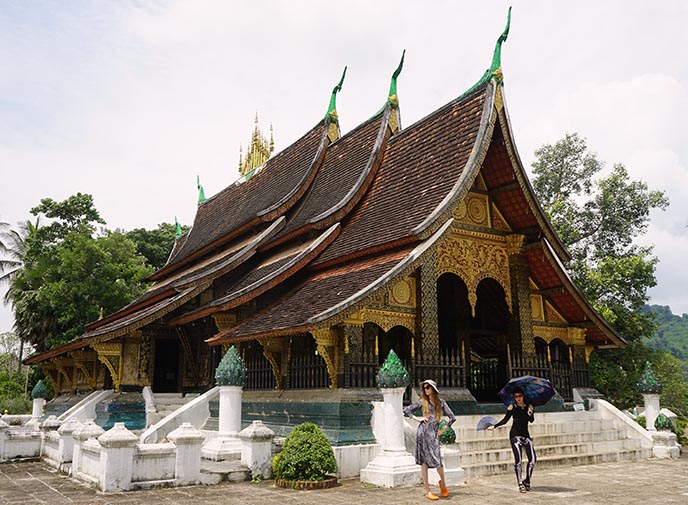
[427,240]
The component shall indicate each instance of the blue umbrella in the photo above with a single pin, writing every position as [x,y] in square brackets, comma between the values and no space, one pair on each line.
[485,423]
[537,391]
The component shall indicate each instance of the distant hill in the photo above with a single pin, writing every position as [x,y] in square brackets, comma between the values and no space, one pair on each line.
[672,332]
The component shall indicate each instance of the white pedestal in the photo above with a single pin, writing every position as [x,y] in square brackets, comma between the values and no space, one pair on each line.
[665,445]
[393,466]
[453,473]
[227,445]
[390,470]
[651,410]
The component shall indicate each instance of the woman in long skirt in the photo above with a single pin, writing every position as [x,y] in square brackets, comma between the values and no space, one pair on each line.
[428,435]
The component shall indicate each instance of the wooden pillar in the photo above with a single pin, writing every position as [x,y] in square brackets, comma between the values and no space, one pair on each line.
[521,331]
[428,327]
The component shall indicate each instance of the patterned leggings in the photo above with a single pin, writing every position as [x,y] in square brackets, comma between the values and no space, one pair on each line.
[518,443]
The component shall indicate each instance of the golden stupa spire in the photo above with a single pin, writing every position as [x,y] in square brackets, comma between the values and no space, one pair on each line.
[258,152]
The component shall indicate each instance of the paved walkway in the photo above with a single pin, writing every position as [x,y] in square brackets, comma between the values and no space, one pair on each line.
[645,482]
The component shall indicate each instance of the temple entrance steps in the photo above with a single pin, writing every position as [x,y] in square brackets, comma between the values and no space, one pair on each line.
[560,438]
[166,403]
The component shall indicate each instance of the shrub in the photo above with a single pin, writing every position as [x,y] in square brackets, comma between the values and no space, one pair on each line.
[19,405]
[306,455]
[449,436]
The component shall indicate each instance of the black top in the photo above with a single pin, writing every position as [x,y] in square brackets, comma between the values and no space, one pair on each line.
[519,428]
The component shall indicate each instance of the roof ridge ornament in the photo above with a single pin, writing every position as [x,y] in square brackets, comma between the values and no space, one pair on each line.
[392,97]
[495,69]
[201,193]
[333,132]
[177,228]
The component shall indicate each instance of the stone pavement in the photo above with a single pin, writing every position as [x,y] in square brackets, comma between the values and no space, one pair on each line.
[655,481]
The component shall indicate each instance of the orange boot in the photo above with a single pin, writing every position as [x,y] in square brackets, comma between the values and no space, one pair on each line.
[431,496]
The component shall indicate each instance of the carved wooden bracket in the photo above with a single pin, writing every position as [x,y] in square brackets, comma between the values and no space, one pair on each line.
[272,350]
[110,355]
[82,361]
[326,340]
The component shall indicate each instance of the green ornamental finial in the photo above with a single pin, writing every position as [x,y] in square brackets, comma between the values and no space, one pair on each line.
[496,67]
[332,108]
[392,374]
[231,371]
[39,390]
[201,193]
[663,423]
[649,383]
[178,228]
[393,100]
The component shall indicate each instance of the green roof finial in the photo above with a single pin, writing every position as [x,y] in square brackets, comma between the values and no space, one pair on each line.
[231,371]
[392,373]
[201,193]
[332,108]
[496,67]
[178,228]
[393,100]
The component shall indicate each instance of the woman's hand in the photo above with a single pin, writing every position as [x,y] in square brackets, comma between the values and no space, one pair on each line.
[441,432]
[530,410]
[490,428]
[419,419]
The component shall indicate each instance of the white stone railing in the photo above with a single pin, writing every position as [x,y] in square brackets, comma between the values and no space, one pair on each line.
[196,412]
[19,442]
[151,409]
[633,429]
[86,408]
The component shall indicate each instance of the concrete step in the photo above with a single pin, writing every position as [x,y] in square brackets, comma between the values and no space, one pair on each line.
[477,469]
[500,439]
[553,451]
[214,472]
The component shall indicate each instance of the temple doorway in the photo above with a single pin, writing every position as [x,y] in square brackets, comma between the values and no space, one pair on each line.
[166,376]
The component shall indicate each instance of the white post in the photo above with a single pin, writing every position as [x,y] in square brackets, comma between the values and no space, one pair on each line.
[87,431]
[393,466]
[226,445]
[256,448]
[37,410]
[66,431]
[187,466]
[3,430]
[116,458]
[651,410]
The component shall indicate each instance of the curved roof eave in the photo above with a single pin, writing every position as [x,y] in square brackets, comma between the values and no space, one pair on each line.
[408,261]
[592,314]
[260,286]
[288,200]
[468,174]
[525,184]
[353,196]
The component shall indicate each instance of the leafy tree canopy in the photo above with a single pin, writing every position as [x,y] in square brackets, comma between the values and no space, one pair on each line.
[598,219]
[155,245]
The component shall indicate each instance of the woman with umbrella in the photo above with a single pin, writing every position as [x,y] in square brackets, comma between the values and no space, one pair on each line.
[428,435]
[519,436]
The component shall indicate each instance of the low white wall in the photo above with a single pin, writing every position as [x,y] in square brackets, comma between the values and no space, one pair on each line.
[633,429]
[51,447]
[352,458]
[153,462]
[20,443]
[90,462]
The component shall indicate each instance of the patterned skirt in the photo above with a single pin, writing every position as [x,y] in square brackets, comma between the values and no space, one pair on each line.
[428,445]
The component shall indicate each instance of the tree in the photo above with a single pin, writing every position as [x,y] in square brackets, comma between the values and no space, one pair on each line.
[598,220]
[13,245]
[69,277]
[155,245]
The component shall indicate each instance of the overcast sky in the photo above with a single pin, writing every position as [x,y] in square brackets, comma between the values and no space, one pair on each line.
[130,100]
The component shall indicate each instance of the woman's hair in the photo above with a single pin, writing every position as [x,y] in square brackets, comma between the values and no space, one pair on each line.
[517,390]
[436,404]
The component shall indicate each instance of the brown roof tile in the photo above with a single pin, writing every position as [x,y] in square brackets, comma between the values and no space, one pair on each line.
[420,167]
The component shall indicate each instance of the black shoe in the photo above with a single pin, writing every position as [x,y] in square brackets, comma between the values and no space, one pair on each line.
[522,488]
[527,486]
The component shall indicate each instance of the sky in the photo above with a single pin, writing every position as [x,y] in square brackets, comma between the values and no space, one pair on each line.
[129,101]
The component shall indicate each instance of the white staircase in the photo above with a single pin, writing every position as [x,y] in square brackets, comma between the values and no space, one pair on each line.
[561,439]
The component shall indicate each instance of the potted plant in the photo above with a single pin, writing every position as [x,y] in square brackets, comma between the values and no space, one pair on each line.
[306,461]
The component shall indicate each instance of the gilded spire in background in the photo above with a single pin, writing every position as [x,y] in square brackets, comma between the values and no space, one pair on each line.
[258,152]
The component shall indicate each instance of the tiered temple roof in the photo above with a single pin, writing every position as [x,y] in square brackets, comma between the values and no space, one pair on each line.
[330,220]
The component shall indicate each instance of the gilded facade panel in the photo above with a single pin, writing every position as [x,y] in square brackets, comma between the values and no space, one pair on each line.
[473,257]
[473,210]
[537,307]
